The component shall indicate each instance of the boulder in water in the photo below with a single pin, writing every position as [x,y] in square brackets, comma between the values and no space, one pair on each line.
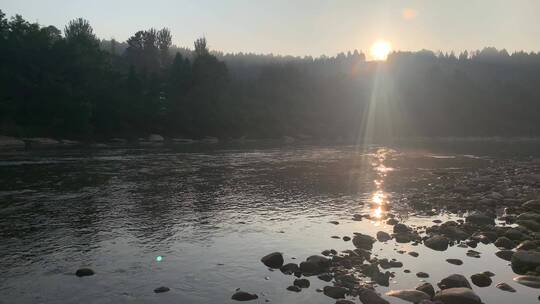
[273,260]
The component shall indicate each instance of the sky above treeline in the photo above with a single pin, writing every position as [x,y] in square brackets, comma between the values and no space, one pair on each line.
[305,27]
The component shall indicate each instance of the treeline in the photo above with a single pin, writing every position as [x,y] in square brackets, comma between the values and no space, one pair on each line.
[70,84]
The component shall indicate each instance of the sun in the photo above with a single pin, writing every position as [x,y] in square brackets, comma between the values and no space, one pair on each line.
[380,50]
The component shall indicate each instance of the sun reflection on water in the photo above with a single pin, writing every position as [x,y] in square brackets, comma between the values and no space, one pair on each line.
[379,198]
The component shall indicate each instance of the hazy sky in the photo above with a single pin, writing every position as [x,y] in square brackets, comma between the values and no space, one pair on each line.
[305,27]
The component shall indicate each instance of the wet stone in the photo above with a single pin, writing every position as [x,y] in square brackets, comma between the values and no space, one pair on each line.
[334,292]
[161,289]
[454,281]
[481,280]
[273,260]
[294,288]
[504,242]
[524,261]
[505,287]
[438,242]
[369,296]
[455,261]
[427,288]
[244,296]
[383,236]
[505,254]
[363,241]
[289,268]
[422,275]
[302,283]
[346,238]
[413,254]
[84,272]
[458,295]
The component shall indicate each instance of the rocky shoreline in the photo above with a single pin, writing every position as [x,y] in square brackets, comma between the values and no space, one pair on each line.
[499,205]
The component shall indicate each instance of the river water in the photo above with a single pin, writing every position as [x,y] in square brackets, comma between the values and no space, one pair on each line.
[198,219]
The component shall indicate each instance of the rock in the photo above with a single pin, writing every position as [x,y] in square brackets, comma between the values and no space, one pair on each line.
[244,296]
[455,261]
[533,205]
[334,292]
[334,222]
[84,272]
[505,287]
[529,224]
[381,278]
[392,221]
[504,242]
[346,238]
[422,275]
[403,237]
[155,138]
[363,241]
[289,268]
[401,228]
[369,296]
[473,254]
[314,265]
[294,288]
[325,277]
[481,280]
[528,245]
[528,280]
[302,283]
[525,260]
[458,295]
[489,273]
[514,234]
[161,289]
[409,295]
[427,288]
[273,260]
[437,242]
[480,218]
[383,236]
[413,253]
[454,281]
[529,216]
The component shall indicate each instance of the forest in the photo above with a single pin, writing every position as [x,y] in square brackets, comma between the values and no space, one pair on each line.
[71,84]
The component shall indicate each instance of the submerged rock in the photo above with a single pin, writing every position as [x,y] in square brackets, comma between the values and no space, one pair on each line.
[244,296]
[505,287]
[369,296]
[460,295]
[481,279]
[525,260]
[409,295]
[334,292]
[273,260]
[437,242]
[84,272]
[454,281]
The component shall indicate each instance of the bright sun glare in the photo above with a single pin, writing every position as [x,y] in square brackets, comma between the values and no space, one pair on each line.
[380,50]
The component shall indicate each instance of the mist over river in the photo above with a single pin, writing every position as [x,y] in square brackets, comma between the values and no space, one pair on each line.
[198,218]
